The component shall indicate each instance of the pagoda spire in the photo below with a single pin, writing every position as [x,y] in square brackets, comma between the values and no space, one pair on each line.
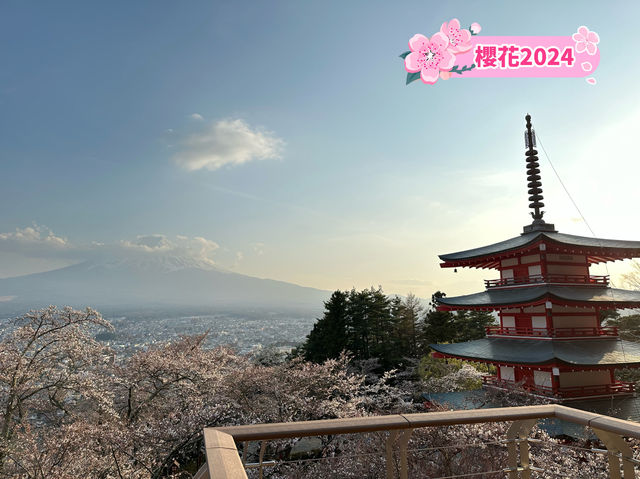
[535,186]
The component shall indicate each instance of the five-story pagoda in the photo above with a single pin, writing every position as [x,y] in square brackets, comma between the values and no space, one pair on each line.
[550,339]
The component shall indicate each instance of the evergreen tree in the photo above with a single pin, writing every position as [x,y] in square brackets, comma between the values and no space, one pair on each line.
[328,338]
[438,326]
[400,337]
[448,327]
[358,326]
[471,325]
[406,322]
[382,328]
[368,324]
[411,324]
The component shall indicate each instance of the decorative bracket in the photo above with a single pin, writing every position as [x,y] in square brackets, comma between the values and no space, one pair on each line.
[617,449]
[517,435]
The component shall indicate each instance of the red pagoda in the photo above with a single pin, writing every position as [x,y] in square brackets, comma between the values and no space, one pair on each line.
[550,339]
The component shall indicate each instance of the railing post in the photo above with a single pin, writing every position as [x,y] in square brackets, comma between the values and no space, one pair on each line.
[245,452]
[404,463]
[263,448]
[615,445]
[518,433]
[222,455]
[403,440]
[391,439]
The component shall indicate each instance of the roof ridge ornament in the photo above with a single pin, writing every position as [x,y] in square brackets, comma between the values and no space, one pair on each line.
[533,177]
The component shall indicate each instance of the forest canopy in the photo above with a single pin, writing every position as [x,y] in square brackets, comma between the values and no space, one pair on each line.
[369,324]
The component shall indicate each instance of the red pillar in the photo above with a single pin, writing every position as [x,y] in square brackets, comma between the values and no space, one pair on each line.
[555,381]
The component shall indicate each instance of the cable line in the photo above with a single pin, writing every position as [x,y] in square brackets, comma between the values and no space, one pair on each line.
[610,290]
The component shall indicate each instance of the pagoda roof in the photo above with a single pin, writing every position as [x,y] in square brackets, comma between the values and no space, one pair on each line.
[598,249]
[581,352]
[531,295]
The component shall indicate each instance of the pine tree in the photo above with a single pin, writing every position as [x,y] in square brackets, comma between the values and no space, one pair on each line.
[382,328]
[328,338]
[359,324]
[367,324]
[472,325]
[411,324]
[438,326]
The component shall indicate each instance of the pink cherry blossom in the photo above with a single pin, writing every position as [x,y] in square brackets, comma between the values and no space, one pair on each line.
[459,40]
[429,57]
[445,75]
[475,28]
[586,40]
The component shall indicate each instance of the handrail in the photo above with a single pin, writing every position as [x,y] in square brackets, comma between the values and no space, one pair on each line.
[258,432]
[223,460]
[222,455]
[608,331]
[594,280]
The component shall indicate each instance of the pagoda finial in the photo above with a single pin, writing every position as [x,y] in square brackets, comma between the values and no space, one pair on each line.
[533,176]
[533,173]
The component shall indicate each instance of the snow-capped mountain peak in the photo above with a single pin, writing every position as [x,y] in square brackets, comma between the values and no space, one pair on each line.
[155,264]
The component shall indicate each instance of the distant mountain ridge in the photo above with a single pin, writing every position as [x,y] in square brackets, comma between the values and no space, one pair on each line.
[153,281]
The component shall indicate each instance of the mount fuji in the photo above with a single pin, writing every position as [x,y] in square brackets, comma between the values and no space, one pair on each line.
[154,281]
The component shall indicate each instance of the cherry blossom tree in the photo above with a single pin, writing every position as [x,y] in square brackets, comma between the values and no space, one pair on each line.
[52,372]
[71,408]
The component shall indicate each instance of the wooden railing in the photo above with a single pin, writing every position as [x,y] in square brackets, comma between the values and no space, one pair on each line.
[548,278]
[582,332]
[617,388]
[224,462]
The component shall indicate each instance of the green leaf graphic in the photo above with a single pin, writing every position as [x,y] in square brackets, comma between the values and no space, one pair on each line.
[464,69]
[412,77]
[404,55]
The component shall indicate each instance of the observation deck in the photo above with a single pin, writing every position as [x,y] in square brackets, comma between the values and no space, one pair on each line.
[399,454]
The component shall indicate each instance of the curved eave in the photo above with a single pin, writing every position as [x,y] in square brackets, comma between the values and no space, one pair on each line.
[606,298]
[587,353]
[597,250]
[490,256]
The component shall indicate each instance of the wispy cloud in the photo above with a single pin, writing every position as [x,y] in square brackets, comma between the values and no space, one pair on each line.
[40,242]
[227,143]
[258,248]
[197,116]
[34,240]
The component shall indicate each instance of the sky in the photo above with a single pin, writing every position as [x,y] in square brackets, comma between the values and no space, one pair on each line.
[278,139]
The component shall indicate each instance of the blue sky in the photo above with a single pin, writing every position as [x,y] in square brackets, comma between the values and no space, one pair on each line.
[347,178]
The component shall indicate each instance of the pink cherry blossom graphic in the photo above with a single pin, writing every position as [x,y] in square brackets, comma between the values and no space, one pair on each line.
[429,57]
[586,40]
[459,40]
[454,52]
